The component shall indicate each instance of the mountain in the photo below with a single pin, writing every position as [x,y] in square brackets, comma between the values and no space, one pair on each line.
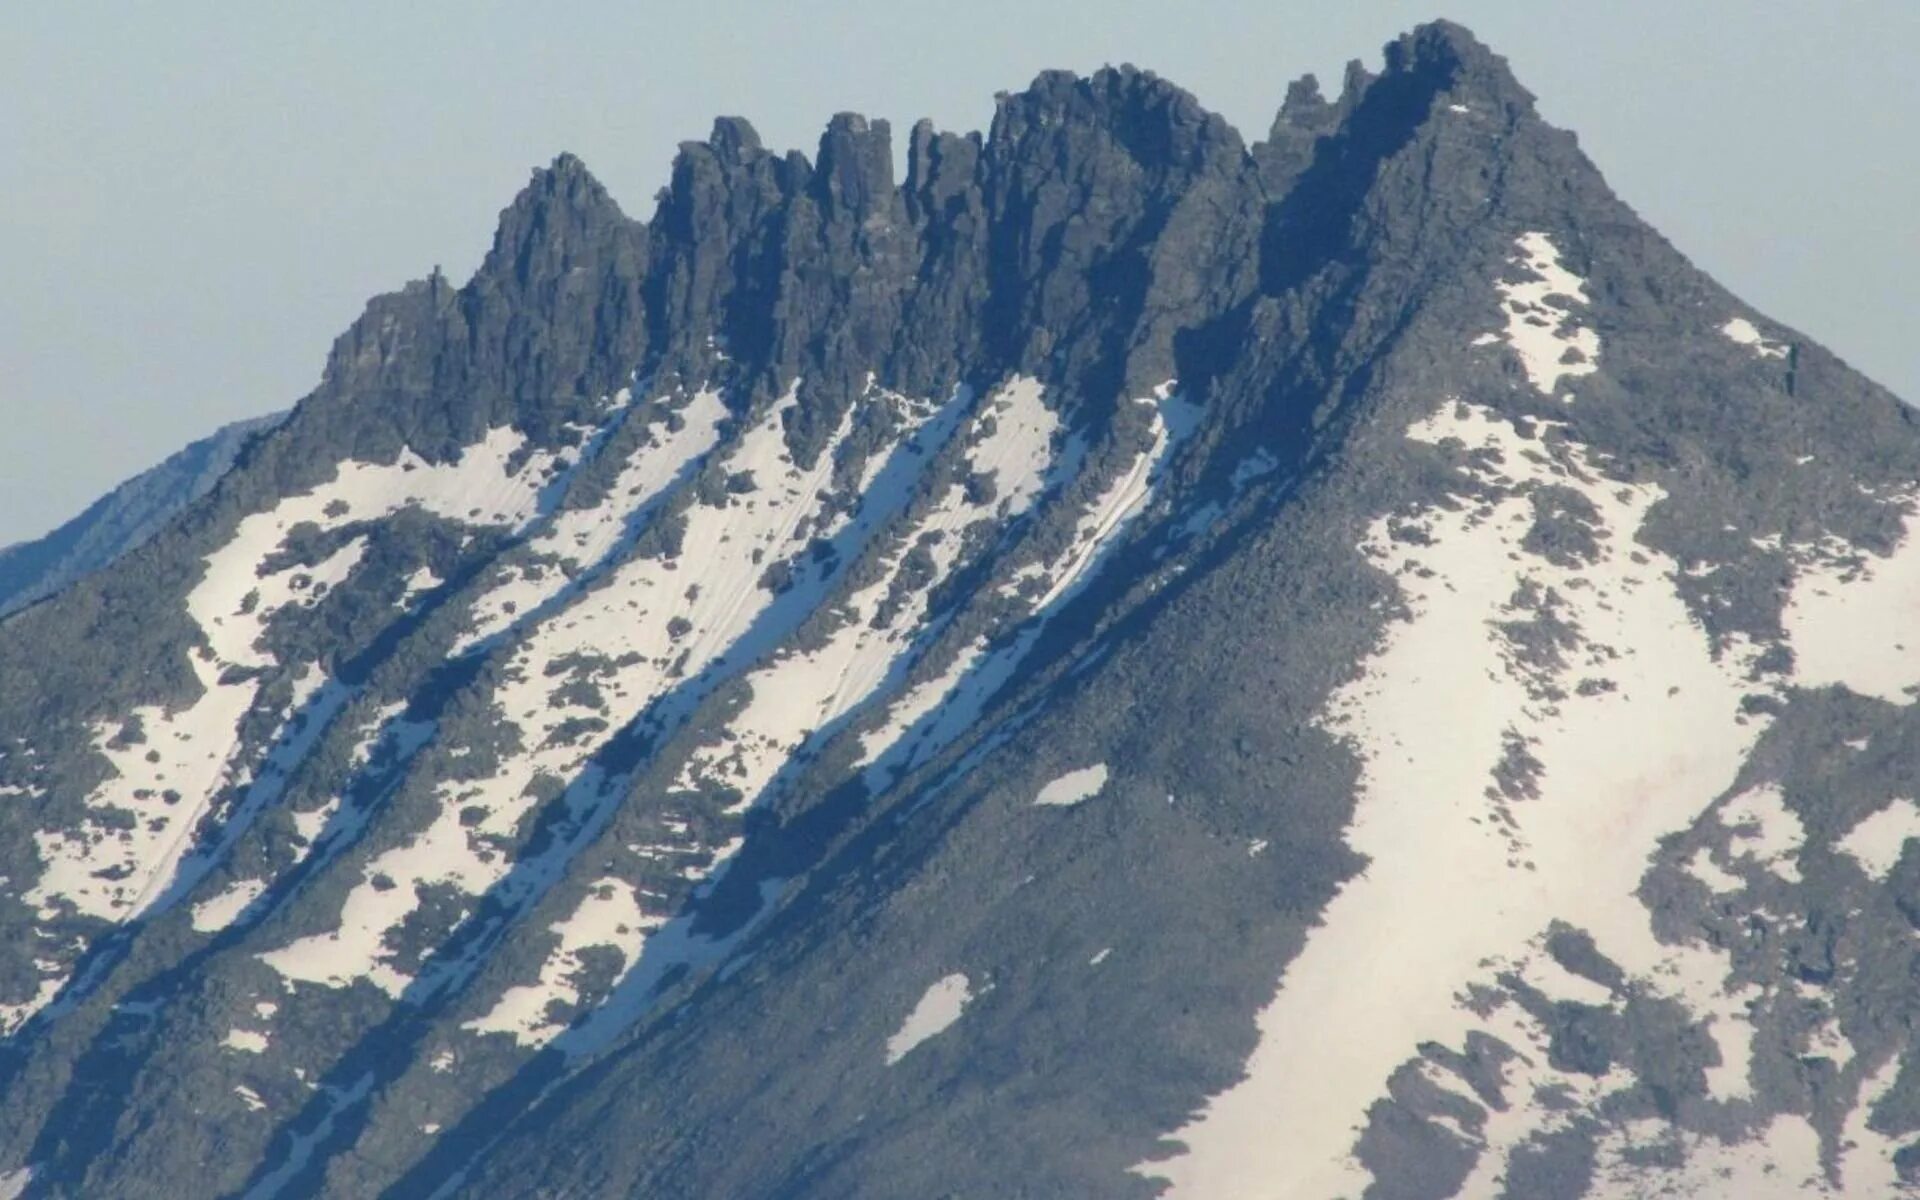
[123,518]
[1128,663]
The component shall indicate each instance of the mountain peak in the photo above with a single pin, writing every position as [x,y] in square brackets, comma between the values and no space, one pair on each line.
[734,139]
[1450,49]
[1436,69]
[855,162]
[565,165]
[565,182]
[1304,102]
[561,206]
[1139,108]
[1441,39]
[835,648]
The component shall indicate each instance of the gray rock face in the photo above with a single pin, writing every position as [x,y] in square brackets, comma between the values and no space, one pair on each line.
[123,518]
[1125,664]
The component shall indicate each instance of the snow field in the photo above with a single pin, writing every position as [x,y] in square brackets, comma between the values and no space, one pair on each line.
[650,623]
[137,853]
[796,695]
[1457,875]
[653,624]
[1480,874]
[168,780]
[793,695]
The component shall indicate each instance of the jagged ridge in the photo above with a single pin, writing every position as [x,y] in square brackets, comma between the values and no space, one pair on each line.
[625,650]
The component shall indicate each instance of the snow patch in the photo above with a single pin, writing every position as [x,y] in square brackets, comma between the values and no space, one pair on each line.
[1770,834]
[672,950]
[1534,1098]
[1718,879]
[1880,838]
[1074,787]
[1109,513]
[1854,621]
[422,580]
[1780,1161]
[303,1142]
[610,917]
[211,916]
[939,1007]
[13,1016]
[1830,1042]
[1743,331]
[14,1184]
[246,1040]
[1550,346]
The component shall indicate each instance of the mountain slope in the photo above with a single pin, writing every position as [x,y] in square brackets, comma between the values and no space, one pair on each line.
[1337,666]
[122,519]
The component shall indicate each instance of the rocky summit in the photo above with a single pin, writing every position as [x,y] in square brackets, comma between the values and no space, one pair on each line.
[1128,663]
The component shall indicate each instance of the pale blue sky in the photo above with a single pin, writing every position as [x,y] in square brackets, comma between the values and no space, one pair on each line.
[199,196]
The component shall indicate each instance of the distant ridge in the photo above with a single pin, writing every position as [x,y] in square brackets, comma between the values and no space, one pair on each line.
[122,519]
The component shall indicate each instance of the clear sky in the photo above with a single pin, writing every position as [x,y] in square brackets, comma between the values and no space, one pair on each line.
[196,197]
